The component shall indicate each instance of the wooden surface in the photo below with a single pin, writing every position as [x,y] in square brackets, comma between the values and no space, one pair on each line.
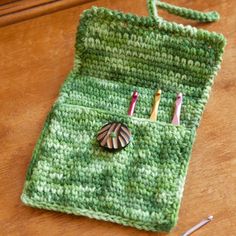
[36,56]
[13,11]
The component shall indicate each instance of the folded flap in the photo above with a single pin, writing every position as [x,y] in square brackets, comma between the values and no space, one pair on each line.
[139,186]
[148,53]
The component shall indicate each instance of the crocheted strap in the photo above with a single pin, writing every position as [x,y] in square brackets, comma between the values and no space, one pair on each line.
[181,11]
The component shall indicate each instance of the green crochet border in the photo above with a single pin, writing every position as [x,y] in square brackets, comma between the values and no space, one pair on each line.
[148,21]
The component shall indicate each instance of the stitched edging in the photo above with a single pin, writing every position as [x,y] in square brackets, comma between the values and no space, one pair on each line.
[159,23]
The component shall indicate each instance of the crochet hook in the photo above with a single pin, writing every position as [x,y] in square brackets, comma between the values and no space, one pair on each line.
[155,106]
[198,226]
[178,104]
[133,103]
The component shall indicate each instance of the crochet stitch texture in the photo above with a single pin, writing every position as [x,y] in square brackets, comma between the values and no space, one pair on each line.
[141,185]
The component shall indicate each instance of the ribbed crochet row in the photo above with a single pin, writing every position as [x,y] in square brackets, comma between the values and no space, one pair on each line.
[115,96]
[140,185]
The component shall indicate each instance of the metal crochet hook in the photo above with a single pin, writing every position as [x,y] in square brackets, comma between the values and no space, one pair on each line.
[178,104]
[155,106]
[198,226]
[133,103]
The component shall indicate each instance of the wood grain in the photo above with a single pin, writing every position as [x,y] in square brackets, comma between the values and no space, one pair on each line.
[36,56]
[19,10]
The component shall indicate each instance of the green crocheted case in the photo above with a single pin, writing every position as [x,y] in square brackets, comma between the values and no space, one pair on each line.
[116,53]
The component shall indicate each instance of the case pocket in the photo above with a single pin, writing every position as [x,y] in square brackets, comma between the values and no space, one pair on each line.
[115,96]
[140,185]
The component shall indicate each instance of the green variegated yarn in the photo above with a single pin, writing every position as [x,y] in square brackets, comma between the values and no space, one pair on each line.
[141,185]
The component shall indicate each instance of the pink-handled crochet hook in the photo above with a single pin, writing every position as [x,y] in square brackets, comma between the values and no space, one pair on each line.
[178,104]
[133,103]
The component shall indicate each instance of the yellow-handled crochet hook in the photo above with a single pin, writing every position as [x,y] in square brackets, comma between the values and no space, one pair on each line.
[155,106]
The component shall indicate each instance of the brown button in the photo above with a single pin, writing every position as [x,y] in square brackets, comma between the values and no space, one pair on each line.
[114,136]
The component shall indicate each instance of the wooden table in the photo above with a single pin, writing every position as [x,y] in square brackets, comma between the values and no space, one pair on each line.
[36,56]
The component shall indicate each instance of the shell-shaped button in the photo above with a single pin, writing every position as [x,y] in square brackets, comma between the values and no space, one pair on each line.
[114,136]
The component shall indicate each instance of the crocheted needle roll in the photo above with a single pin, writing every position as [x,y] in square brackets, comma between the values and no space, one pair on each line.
[142,184]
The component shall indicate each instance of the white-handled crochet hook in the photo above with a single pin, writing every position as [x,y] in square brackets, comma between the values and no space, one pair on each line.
[198,226]
[178,104]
